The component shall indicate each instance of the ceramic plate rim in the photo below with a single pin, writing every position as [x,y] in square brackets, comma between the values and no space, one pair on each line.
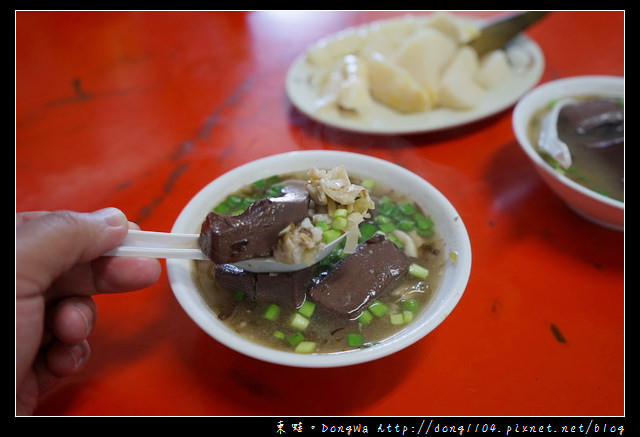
[300,94]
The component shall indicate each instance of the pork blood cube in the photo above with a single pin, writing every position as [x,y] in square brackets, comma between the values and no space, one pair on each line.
[282,288]
[370,272]
[234,278]
[252,234]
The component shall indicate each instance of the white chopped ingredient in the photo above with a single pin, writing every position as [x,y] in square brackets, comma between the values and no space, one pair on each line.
[334,184]
[410,248]
[329,190]
[296,244]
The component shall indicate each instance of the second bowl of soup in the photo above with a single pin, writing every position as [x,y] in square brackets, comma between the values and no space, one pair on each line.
[413,240]
[591,124]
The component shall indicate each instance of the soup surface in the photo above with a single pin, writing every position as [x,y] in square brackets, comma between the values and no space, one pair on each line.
[593,129]
[309,327]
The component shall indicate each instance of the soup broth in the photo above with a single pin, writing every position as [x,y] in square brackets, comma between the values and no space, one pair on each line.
[282,327]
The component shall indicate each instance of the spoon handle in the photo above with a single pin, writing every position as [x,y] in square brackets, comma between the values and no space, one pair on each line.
[148,244]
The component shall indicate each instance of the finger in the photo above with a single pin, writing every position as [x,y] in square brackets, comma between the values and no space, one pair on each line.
[59,360]
[23,217]
[72,319]
[113,274]
[66,359]
[107,275]
[50,244]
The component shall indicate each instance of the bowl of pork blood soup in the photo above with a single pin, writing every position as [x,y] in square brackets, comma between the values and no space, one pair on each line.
[401,265]
[572,130]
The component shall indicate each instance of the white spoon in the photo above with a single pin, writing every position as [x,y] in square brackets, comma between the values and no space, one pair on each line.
[148,244]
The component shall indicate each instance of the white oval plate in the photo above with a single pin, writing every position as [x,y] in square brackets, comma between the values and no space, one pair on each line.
[527,65]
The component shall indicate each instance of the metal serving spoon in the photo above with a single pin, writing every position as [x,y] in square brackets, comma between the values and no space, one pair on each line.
[149,244]
[495,34]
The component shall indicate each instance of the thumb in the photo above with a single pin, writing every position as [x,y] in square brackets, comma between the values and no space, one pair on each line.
[51,243]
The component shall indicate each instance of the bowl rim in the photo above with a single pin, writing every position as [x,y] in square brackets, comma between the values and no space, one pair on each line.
[179,272]
[533,100]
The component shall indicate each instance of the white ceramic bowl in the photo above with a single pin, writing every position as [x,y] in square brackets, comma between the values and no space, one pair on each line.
[448,224]
[587,203]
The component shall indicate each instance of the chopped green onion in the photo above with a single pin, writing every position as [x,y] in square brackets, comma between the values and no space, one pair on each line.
[417,271]
[263,183]
[407,208]
[339,223]
[401,318]
[222,208]
[422,222]
[367,230]
[365,317]
[295,338]
[383,219]
[307,308]
[340,212]
[355,340]
[328,260]
[396,319]
[274,191]
[246,202]
[238,295]
[385,206]
[407,316]
[368,183]
[305,347]
[378,309]
[387,227]
[272,312]
[299,322]
[397,216]
[426,232]
[410,305]
[322,225]
[279,334]
[395,240]
[330,235]
[234,200]
[260,184]
[336,255]
[406,225]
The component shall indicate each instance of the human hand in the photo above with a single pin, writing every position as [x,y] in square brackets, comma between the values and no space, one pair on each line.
[58,267]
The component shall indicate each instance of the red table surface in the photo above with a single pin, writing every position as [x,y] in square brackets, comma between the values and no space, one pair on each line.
[140,110]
